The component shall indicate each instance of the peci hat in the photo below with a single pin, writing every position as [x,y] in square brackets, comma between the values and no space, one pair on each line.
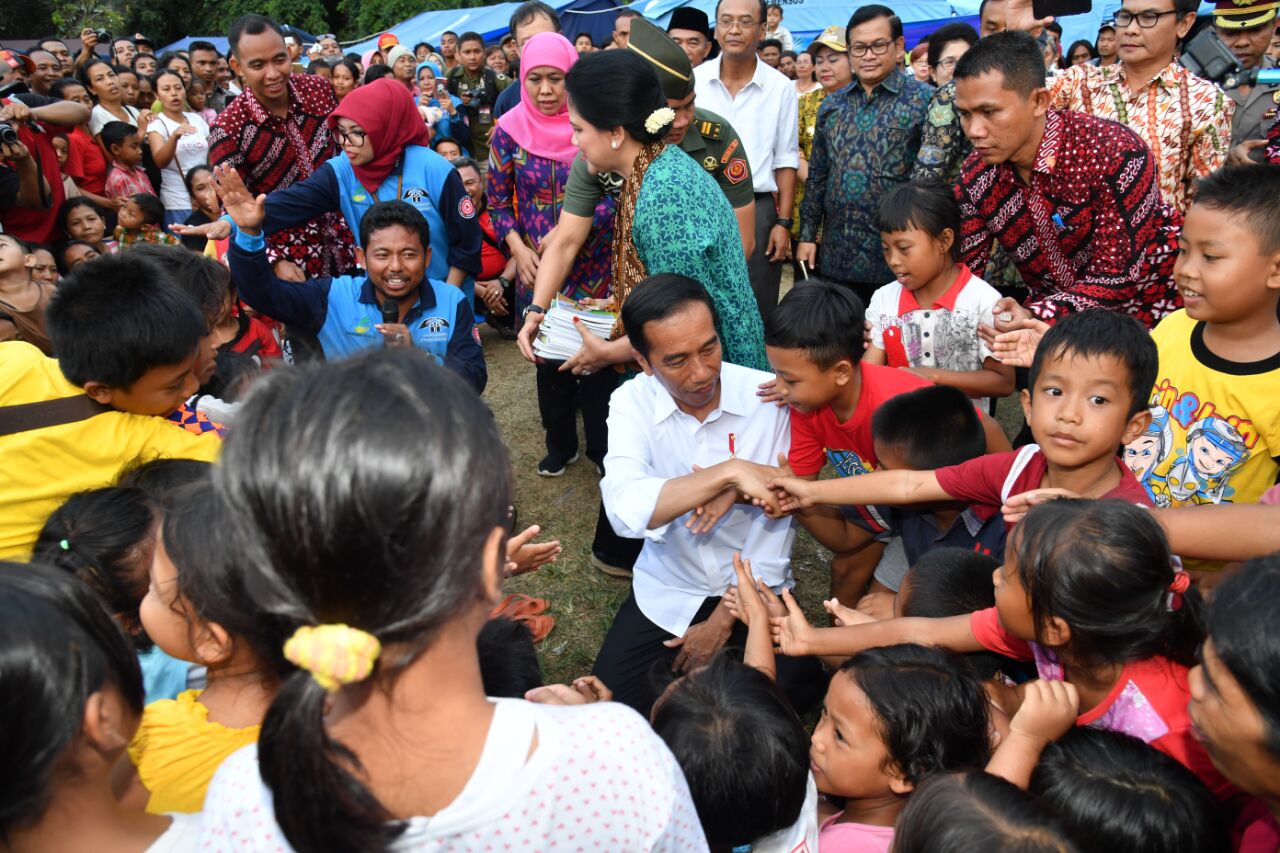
[832,37]
[689,18]
[667,58]
[1243,14]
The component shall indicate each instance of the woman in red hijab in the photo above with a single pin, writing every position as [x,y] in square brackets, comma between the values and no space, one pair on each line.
[384,158]
[530,155]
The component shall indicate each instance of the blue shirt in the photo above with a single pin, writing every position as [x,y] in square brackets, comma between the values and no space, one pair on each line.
[342,311]
[425,180]
[864,146]
[921,533]
[508,100]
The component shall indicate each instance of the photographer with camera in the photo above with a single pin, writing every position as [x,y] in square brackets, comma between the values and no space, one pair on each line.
[30,180]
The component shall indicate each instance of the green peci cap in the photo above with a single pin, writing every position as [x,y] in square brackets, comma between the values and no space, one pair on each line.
[667,58]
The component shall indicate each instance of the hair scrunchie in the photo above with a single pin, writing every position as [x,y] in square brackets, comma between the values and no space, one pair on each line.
[334,654]
[1177,588]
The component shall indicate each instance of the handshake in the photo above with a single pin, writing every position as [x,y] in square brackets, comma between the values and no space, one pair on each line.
[775,489]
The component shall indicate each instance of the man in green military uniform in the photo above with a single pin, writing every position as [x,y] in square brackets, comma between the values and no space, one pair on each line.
[477,86]
[706,137]
[1246,27]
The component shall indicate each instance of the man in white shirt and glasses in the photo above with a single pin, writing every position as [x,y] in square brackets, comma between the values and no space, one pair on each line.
[690,443]
[760,102]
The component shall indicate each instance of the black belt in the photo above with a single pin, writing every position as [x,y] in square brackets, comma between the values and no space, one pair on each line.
[763,195]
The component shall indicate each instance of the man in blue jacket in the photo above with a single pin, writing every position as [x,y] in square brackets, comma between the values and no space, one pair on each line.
[346,313]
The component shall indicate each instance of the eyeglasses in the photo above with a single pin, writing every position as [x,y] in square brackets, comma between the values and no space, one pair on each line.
[326,36]
[738,23]
[1146,20]
[355,136]
[947,64]
[877,48]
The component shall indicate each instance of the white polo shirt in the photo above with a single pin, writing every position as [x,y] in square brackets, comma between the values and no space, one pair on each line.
[764,113]
[651,441]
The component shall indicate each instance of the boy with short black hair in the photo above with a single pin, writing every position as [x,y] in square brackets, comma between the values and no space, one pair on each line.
[933,427]
[124,146]
[1217,394]
[141,220]
[815,345]
[1087,396]
[127,343]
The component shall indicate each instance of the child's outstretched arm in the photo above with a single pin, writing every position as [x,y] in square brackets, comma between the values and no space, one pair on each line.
[1048,711]
[794,636]
[878,487]
[749,606]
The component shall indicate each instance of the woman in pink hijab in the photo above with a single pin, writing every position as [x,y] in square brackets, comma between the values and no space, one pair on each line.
[530,155]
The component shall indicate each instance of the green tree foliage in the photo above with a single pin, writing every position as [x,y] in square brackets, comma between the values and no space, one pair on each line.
[366,17]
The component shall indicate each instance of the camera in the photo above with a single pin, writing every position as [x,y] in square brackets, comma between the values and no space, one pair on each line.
[1206,56]
[103,36]
[8,134]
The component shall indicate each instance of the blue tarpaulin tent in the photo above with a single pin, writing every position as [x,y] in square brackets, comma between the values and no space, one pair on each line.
[220,42]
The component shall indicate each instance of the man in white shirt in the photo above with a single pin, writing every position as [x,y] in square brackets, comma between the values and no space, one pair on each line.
[760,102]
[689,442]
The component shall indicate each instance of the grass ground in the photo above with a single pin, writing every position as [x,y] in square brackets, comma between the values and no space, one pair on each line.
[582,599]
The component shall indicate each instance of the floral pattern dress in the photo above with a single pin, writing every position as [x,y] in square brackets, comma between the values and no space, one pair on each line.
[526,194]
[808,113]
[684,225]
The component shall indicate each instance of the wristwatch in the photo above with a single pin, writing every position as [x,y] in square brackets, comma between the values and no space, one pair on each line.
[534,309]
[504,281]
[785,222]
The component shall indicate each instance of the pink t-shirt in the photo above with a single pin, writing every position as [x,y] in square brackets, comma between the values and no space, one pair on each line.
[850,837]
[1148,701]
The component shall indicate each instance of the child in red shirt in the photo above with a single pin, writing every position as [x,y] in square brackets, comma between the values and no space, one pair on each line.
[814,343]
[1088,393]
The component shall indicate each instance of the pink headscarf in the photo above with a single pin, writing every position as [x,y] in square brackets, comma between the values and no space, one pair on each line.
[543,135]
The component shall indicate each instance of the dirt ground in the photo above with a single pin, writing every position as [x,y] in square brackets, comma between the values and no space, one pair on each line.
[582,599]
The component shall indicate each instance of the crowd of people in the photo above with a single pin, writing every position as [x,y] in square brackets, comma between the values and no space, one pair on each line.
[258,515]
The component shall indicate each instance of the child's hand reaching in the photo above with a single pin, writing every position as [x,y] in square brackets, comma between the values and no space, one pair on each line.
[1017,506]
[792,493]
[1048,711]
[791,633]
[525,555]
[583,691]
[847,615]
[750,607]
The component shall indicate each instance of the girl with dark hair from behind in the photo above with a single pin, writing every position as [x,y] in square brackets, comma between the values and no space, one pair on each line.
[376,536]
[970,810]
[1113,792]
[81,695]
[106,537]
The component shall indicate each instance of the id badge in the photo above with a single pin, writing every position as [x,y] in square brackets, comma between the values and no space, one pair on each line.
[486,115]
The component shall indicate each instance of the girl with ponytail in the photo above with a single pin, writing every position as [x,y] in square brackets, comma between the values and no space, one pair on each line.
[375,538]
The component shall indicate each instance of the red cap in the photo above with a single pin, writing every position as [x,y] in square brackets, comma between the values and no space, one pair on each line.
[387,40]
[12,60]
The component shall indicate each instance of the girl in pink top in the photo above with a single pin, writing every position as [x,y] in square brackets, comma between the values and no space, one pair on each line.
[891,717]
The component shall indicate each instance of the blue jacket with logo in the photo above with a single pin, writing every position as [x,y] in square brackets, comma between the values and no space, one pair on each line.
[425,180]
[342,311]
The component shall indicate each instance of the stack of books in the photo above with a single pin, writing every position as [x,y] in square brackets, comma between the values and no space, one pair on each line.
[558,338]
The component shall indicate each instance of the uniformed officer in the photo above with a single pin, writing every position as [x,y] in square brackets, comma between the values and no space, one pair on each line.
[1246,27]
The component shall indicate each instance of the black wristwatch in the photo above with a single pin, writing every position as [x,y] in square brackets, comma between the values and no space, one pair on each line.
[534,309]
[785,222]
[504,281]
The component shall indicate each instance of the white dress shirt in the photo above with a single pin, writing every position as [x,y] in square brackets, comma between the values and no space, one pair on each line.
[651,441]
[765,114]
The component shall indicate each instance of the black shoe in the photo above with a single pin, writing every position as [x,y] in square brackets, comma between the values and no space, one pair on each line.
[550,466]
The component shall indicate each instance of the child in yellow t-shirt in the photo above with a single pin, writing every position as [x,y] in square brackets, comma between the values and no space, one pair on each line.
[194,610]
[1215,427]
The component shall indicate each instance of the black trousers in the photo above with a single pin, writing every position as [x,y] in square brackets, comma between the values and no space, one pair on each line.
[635,665]
[560,394]
[765,275]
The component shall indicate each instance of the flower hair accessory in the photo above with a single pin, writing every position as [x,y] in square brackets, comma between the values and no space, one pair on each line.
[658,119]
[1181,583]
[334,654]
